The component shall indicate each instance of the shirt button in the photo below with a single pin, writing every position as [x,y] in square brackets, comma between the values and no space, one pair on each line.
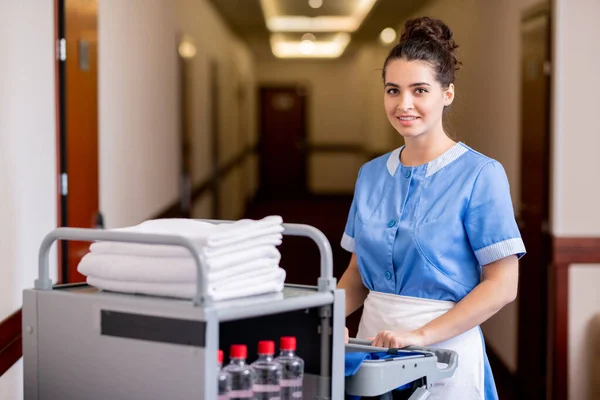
[388,275]
[407,173]
[392,223]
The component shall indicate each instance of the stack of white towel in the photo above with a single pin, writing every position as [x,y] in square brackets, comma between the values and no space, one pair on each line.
[241,259]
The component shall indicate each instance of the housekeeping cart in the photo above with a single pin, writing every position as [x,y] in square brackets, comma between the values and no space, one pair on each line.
[82,342]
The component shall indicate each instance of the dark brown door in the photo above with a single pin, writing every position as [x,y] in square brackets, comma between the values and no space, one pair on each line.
[283,138]
[79,125]
[534,212]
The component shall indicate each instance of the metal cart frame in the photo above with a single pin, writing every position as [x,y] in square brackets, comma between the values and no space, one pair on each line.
[79,342]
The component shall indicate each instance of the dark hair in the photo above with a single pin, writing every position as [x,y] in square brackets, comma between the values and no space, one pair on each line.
[430,40]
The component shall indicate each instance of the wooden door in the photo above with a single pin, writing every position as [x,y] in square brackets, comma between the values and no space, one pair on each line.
[282,142]
[534,211]
[79,126]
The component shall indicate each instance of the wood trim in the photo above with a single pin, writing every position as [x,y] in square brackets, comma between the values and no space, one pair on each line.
[584,250]
[10,341]
[567,251]
[174,210]
[57,116]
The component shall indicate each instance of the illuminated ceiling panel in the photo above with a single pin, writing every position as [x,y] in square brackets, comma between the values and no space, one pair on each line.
[279,22]
[340,17]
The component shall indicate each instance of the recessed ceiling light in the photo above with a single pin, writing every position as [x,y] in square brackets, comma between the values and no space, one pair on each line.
[309,36]
[283,48]
[315,3]
[187,49]
[307,47]
[388,35]
[277,22]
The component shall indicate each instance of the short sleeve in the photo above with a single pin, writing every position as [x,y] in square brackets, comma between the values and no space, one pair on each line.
[490,220]
[348,236]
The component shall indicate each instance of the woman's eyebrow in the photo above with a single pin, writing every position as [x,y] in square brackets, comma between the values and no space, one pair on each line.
[391,84]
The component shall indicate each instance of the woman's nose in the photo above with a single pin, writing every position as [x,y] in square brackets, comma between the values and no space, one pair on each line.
[405,103]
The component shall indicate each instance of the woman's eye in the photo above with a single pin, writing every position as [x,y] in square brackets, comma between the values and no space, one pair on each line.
[392,91]
[421,90]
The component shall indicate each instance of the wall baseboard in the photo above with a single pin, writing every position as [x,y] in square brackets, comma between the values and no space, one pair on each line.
[10,341]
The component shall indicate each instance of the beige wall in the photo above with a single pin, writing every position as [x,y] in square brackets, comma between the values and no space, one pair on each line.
[576,138]
[27,154]
[138,119]
[575,194]
[237,104]
[139,100]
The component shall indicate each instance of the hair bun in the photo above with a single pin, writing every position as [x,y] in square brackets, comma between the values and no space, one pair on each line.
[431,29]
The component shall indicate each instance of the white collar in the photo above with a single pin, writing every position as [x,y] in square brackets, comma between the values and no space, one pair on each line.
[434,165]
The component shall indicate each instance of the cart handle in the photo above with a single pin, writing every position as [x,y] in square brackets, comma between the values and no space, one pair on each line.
[326,281]
[89,235]
[448,357]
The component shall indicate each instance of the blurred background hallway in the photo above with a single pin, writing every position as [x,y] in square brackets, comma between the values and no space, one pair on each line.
[113,112]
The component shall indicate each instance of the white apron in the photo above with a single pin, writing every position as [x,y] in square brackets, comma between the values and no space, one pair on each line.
[384,311]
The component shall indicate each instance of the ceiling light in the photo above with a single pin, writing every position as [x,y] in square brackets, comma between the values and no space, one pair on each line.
[309,36]
[187,49]
[283,48]
[307,47]
[388,35]
[315,3]
[291,23]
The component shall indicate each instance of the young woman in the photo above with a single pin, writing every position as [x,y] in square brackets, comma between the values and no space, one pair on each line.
[432,230]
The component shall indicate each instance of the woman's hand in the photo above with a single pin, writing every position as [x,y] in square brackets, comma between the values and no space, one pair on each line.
[347,338]
[397,340]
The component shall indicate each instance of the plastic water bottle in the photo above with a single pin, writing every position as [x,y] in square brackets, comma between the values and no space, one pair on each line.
[224,379]
[292,369]
[266,373]
[241,374]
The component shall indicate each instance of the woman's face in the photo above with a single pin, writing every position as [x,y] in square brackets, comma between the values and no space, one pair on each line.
[414,100]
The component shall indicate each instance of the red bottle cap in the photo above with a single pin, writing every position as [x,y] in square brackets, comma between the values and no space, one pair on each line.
[266,347]
[220,356]
[238,351]
[287,343]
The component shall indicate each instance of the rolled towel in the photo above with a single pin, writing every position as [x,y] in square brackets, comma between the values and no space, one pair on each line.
[249,287]
[210,239]
[179,269]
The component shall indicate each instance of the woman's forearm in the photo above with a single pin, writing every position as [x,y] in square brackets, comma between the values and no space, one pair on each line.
[496,290]
[351,282]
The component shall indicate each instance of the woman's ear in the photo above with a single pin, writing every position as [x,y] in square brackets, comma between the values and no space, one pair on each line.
[449,95]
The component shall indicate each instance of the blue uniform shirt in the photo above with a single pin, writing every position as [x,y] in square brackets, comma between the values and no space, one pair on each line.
[426,231]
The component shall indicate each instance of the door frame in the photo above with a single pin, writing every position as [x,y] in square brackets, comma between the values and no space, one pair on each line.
[61,136]
[525,330]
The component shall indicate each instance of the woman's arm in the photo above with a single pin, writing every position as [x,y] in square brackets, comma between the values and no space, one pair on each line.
[497,288]
[356,292]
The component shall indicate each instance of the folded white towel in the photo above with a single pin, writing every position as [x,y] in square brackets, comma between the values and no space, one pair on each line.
[210,239]
[232,290]
[151,250]
[178,269]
